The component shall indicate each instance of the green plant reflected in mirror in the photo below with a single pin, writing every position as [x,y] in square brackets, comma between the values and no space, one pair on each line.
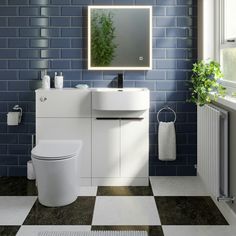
[119,37]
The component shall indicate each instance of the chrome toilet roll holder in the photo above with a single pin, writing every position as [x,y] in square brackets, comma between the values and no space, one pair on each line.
[18,108]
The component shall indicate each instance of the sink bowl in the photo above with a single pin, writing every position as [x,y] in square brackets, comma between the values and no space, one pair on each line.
[120,99]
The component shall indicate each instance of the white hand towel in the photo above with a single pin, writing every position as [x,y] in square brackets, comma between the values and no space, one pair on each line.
[167,141]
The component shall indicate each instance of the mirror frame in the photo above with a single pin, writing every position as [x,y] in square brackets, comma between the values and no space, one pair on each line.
[90,67]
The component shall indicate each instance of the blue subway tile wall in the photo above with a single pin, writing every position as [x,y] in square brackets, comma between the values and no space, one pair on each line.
[39,34]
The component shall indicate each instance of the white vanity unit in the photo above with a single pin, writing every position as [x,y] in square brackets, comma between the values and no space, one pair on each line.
[113,125]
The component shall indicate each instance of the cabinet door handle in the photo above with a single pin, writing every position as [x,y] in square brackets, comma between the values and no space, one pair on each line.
[119,118]
[43,99]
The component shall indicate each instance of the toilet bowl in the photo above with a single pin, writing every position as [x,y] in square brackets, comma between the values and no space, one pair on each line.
[56,164]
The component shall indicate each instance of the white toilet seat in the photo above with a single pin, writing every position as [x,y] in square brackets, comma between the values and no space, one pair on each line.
[51,150]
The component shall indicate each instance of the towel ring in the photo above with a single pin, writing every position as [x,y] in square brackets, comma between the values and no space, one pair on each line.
[165,108]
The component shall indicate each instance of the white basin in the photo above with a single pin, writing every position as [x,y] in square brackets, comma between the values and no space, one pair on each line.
[120,99]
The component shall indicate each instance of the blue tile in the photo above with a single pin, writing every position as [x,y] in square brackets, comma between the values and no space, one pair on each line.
[60,21]
[176,53]
[165,21]
[186,107]
[8,75]
[185,64]
[39,2]
[166,2]
[71,53]
[18,85]
[77,21]
[18,64]
[134,75]
[18,2]
[158,96]
[176,96]
[29,11]
[50,11]
[102,2]
[145,2]
[3,2]
[29,53]
[151,85]
[60,2]
[166,85]
[71,32]
[26,96]
[186,171]
[83,2]
[8,32]
[3,64]
[8,138]
[77,43]
[176,75]
[73,75]
[29,32]
[184,21]
[92,75]
[18,21]
[185,43]
[18,43]
[17,171]
[166,64]
[8,11]
[176,32]
[186,2]
[3,170]
[155,75]
[24,159]
[39,64]
[158,11]
[60,43]
[39,21]
[159,32]
[192,117]
[122,2]
[3,22]
[60,64]
[77,64]
[50,32]
[166,171]
[8,96]
[50,53]
[176,11]
[3,86]
[8,53]
[39,43]
[72,11]
[29,75]
[182,85]
[166,43]
[186,128]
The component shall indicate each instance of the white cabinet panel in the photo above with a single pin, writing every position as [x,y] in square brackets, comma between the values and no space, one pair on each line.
[63,103]
[106,148]
[134,148]
[68,128]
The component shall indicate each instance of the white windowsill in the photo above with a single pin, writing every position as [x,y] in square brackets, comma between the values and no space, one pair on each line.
[227,101]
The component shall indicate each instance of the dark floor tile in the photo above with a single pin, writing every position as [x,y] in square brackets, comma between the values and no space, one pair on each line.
[125,191]
[152,230]
[9,230]
[17,186]
[189,211]
[79,212]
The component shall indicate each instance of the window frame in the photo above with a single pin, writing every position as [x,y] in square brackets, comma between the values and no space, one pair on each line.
[221,41]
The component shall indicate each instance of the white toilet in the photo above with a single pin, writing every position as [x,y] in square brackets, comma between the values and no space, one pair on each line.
[56,168]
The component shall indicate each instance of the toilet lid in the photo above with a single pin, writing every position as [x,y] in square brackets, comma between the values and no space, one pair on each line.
[56,149]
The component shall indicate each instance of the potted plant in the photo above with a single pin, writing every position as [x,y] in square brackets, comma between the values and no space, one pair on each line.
[102,38]
[204,80]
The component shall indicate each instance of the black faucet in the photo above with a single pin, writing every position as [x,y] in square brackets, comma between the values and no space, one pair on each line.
[120,80]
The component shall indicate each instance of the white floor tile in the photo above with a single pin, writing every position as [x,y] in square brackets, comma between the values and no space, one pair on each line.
[177,186]
[88,191]
[33,230]
[125,211]
[13,210]
[199,230]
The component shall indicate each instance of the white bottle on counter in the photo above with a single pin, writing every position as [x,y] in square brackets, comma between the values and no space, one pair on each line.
[58,81]
[45,80]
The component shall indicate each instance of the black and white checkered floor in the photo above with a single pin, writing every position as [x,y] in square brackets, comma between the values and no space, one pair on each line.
[170,206]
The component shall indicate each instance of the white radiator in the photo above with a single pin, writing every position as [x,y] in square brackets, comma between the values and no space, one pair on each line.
[212,151]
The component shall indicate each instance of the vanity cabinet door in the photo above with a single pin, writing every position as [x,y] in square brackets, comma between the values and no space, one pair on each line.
[105,148]
[134,148]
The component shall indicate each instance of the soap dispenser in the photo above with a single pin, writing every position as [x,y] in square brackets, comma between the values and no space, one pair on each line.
[58,81]
[45,80]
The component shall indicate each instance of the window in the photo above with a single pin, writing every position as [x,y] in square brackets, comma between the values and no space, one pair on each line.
[228,41]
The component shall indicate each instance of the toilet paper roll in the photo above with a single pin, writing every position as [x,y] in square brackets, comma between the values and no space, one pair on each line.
[13,118]
[30,171]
